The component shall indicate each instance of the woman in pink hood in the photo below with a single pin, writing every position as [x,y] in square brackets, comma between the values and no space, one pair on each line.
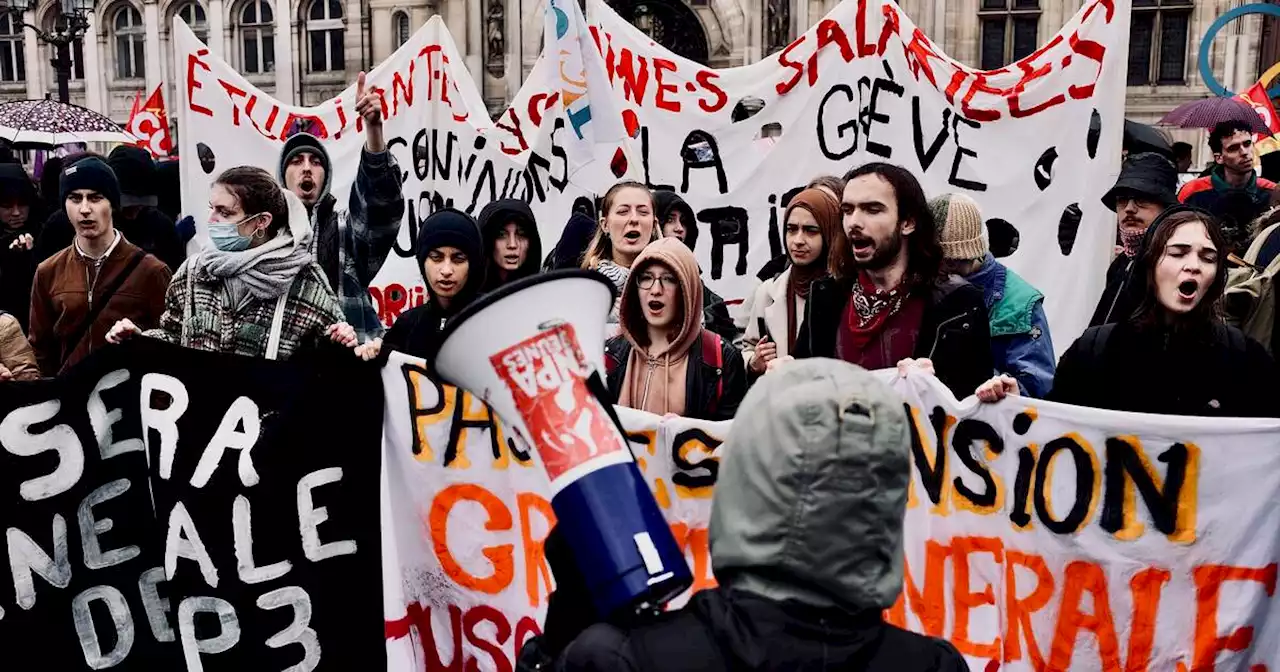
[664,362]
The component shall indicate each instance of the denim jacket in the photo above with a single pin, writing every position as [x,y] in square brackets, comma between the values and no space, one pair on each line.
[1020,343]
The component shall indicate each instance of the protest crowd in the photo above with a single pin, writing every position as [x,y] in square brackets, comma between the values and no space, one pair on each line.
[876,272]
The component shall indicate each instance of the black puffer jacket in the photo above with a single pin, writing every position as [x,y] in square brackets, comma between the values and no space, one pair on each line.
[954,332]
[723,629]
[1215,371]
[701,383]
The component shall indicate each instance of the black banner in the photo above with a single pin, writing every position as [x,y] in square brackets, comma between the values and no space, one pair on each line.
[251,485]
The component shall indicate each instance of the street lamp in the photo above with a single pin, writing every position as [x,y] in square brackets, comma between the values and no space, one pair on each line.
[72,27]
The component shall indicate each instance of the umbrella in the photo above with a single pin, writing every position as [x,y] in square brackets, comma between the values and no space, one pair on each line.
[1139,138]
[1210,112]
[48,123]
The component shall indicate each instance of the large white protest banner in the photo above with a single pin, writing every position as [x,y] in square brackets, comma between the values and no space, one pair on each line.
[1039,536]
[863,84]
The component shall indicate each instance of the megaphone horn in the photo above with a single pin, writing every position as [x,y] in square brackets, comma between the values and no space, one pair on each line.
[534,351]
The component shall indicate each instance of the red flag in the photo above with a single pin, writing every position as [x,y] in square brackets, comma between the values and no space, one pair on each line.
[150,124]
[1256,96]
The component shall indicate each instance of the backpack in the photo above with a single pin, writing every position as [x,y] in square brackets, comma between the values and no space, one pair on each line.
[1250,299]
[712,353]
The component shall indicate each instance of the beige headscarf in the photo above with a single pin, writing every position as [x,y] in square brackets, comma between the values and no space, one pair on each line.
[655,382]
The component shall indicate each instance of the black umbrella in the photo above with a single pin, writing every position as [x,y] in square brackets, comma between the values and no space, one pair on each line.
[1139,138]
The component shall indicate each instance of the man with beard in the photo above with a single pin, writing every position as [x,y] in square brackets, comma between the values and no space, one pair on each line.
[349,245]
[887,299]
[1143,190]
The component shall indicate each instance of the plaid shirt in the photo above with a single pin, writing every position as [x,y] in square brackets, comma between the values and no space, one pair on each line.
[215,326]
[367,229]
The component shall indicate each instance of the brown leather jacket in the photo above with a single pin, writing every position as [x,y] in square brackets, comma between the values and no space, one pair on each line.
[15,351]
[60,302]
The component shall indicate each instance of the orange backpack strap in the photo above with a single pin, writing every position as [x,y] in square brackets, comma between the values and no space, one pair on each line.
[714,355]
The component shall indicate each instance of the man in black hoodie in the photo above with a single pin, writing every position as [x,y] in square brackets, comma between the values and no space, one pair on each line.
[512,246]
[677,220]
[352,244]
[1143,190]
[806,541]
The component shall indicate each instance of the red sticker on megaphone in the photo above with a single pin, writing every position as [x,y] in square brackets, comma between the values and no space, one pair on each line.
[547,376]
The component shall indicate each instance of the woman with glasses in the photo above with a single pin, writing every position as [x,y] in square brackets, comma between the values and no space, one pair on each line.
[664,362]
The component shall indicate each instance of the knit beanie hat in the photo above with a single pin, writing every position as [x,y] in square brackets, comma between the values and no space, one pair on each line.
[90,173]
[136,172]
[959,227]
[451,228]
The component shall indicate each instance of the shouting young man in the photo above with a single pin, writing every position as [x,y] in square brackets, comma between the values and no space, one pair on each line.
[352,244]
[887,298]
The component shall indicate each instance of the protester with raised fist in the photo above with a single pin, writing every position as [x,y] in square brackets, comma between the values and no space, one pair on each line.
[887,298]
[350,245]
[627,224]
[96,281]
[258,293]
[806,541]
[664,361]
[451,256]
[1174,356]
[811,223]
[511,241]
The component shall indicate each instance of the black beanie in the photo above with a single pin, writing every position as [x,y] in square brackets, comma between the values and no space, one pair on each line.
[136,172]
[451,228]
[91,173]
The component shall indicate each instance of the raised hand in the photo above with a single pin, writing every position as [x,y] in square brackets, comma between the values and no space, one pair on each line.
[369,107]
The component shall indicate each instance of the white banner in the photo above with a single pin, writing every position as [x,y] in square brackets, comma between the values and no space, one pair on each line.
[863,84]
[1039,536]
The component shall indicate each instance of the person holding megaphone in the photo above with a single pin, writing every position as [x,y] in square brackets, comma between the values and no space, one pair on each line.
[451,258]
[806,538]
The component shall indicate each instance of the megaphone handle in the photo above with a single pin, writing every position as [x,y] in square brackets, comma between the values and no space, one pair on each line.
[596,385]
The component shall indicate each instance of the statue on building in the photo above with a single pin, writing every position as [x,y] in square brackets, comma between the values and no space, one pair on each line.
[495,30]
[777,25]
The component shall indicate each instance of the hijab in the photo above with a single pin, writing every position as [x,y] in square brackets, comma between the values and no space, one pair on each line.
[826,211]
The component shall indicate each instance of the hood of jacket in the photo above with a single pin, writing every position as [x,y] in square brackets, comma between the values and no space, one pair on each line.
[305,142]
[665,202]
[679,259]
[812,489]
[493,217]
[574,240]
[15,181]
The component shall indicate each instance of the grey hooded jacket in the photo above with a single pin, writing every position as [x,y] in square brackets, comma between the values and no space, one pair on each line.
[806,542]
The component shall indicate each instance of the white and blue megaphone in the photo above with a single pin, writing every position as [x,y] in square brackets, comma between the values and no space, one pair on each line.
[533,350]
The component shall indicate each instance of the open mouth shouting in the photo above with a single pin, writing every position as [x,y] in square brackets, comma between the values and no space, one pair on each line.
[632,237]
[655,308]
[863,246]
[446,287]
[1187,291]
[511,259]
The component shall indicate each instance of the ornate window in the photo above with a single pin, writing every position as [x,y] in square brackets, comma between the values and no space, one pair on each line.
[400,28]
[325,36]
[193,14]
[1010,31]
[1158,41]
[257,38]
[130,43]
[12,65]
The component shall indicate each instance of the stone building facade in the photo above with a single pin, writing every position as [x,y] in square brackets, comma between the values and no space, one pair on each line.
[312,48]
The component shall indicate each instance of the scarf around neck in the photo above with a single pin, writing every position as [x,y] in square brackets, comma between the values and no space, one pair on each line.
[1131,241]
[872,307]
[263,272]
